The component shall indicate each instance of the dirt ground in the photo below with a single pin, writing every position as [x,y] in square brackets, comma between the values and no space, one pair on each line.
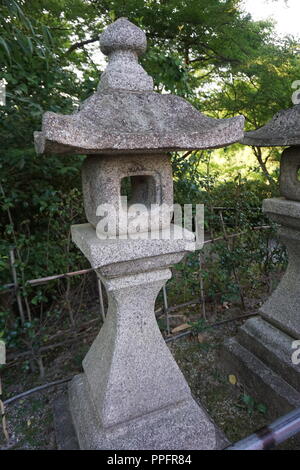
[30,420]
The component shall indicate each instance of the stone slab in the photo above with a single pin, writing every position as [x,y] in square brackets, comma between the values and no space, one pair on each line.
[272,346]
[101,253]
[282,308]
[283,211]
[65,434]
[260,381]
[181,426]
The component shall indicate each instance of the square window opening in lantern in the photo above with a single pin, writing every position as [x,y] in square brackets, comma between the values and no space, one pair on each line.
[139,189]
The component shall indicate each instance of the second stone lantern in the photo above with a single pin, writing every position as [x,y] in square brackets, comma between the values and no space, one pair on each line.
[131,394]
[264,354]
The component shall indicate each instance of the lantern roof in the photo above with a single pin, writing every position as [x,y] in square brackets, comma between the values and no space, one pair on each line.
[282,130]
[125,115]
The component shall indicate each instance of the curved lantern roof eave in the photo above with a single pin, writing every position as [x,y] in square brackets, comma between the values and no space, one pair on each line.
[283,130]
[130,122]
[125,115]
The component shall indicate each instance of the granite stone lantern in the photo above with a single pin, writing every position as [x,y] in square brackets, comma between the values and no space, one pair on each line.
[131,394]
[262,353]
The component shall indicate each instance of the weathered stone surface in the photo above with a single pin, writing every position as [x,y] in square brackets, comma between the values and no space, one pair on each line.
[126,115]
[122,35]
[140,255]
[183,426]
[93,436]
[272,346]
[282,307]
[261,359]
[260,381]
[289,178]
[283,211]
[152,183]
[113,367]
[117,121]
[261,354]
[282,130]
[65,434]
[132,394]
[123,42]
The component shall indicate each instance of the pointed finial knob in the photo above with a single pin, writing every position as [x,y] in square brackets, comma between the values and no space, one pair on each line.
[123,42]
[123,35]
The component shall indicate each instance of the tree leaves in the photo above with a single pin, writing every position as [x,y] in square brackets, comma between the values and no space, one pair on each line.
[5,46]
[207,51]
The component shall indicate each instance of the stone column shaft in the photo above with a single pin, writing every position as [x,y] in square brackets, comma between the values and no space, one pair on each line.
[129,368]
[132,394]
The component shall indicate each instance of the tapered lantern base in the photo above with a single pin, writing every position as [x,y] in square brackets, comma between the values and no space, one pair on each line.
[132,394]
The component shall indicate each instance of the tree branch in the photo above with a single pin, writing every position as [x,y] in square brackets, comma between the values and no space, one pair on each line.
[79,44]
[258,153]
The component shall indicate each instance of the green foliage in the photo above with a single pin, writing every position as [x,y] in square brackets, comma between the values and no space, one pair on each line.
[251,405]
[192,41]
[241,259]
[40,196]
[199,326]
[210,52]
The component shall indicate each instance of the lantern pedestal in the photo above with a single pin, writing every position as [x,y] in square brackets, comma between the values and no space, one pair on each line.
[263,355]
[282,308]
[132,394]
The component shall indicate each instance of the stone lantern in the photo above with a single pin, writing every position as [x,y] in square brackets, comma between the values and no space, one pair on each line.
[131,394]
[282,308]
[262,353]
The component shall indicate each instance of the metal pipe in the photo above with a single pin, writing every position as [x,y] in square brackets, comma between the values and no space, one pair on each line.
[270,436]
